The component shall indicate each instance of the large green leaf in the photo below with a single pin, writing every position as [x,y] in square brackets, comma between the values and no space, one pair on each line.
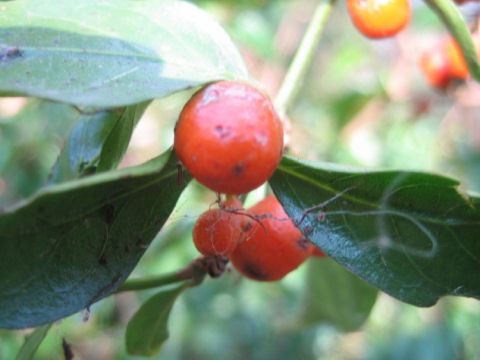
[74,243]
[336,296]
[97,142]
[147,329]
[112,52]
[411,234]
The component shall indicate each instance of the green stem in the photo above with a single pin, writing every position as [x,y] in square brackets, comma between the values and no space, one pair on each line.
[452,18]
[150,282]
[192,274]
[303,57]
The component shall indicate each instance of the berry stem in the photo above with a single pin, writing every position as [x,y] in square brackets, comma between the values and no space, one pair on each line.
[452,18]
[192,274]
[150,282]
[303,57]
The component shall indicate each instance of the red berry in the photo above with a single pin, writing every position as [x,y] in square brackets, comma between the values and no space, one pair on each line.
[434,65]
[457,67]
[318,253]
[229,137]
[379,18]
[272,249]
[217,231]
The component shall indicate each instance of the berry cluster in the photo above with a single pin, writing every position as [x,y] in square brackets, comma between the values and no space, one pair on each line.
[230,139]
[440,65]
[262,242]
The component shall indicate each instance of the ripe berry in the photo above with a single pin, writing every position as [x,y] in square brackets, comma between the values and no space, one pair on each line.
[318,253]
[434,65]
[229,137]
[217,231]
[272,249]
[457,67]
[379,18]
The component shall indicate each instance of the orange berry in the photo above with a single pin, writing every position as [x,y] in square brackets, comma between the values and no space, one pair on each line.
[318,253]
[217,231]
[457,67]
[379,18]
[434,66]
[271,250]
[229,137]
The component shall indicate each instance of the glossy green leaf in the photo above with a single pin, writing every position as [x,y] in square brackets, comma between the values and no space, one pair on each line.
[74,243]
[147,329]
[32,342]
[97,143]
[411,234]
[78,52]
[336,296]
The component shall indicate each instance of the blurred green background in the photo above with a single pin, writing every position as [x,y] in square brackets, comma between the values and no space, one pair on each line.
[364,103]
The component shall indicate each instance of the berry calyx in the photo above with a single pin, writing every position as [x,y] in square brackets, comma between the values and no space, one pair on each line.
[217,231]
[379,18]
[229,137]
[273,246]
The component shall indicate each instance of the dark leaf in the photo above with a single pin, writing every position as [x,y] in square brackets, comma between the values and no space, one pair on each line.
[336,296]
[411,234]
[147,329]
[74,243]
[78,52]
[97,143]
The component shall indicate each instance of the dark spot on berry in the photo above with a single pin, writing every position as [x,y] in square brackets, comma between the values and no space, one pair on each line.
[238,169]
[307,230]
[303,243]
[246,226]
[223,133]
[254,271]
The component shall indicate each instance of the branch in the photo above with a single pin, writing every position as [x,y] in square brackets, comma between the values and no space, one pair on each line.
[303,57]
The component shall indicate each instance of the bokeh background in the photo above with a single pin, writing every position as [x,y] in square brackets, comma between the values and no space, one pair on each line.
[363,103]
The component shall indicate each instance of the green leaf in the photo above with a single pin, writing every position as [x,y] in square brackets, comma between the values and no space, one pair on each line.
[32,342]
[117,142]
[411,234]
[336,296]
[111,53]
[97,143]
[345,107]
[74,243]
[147,329]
